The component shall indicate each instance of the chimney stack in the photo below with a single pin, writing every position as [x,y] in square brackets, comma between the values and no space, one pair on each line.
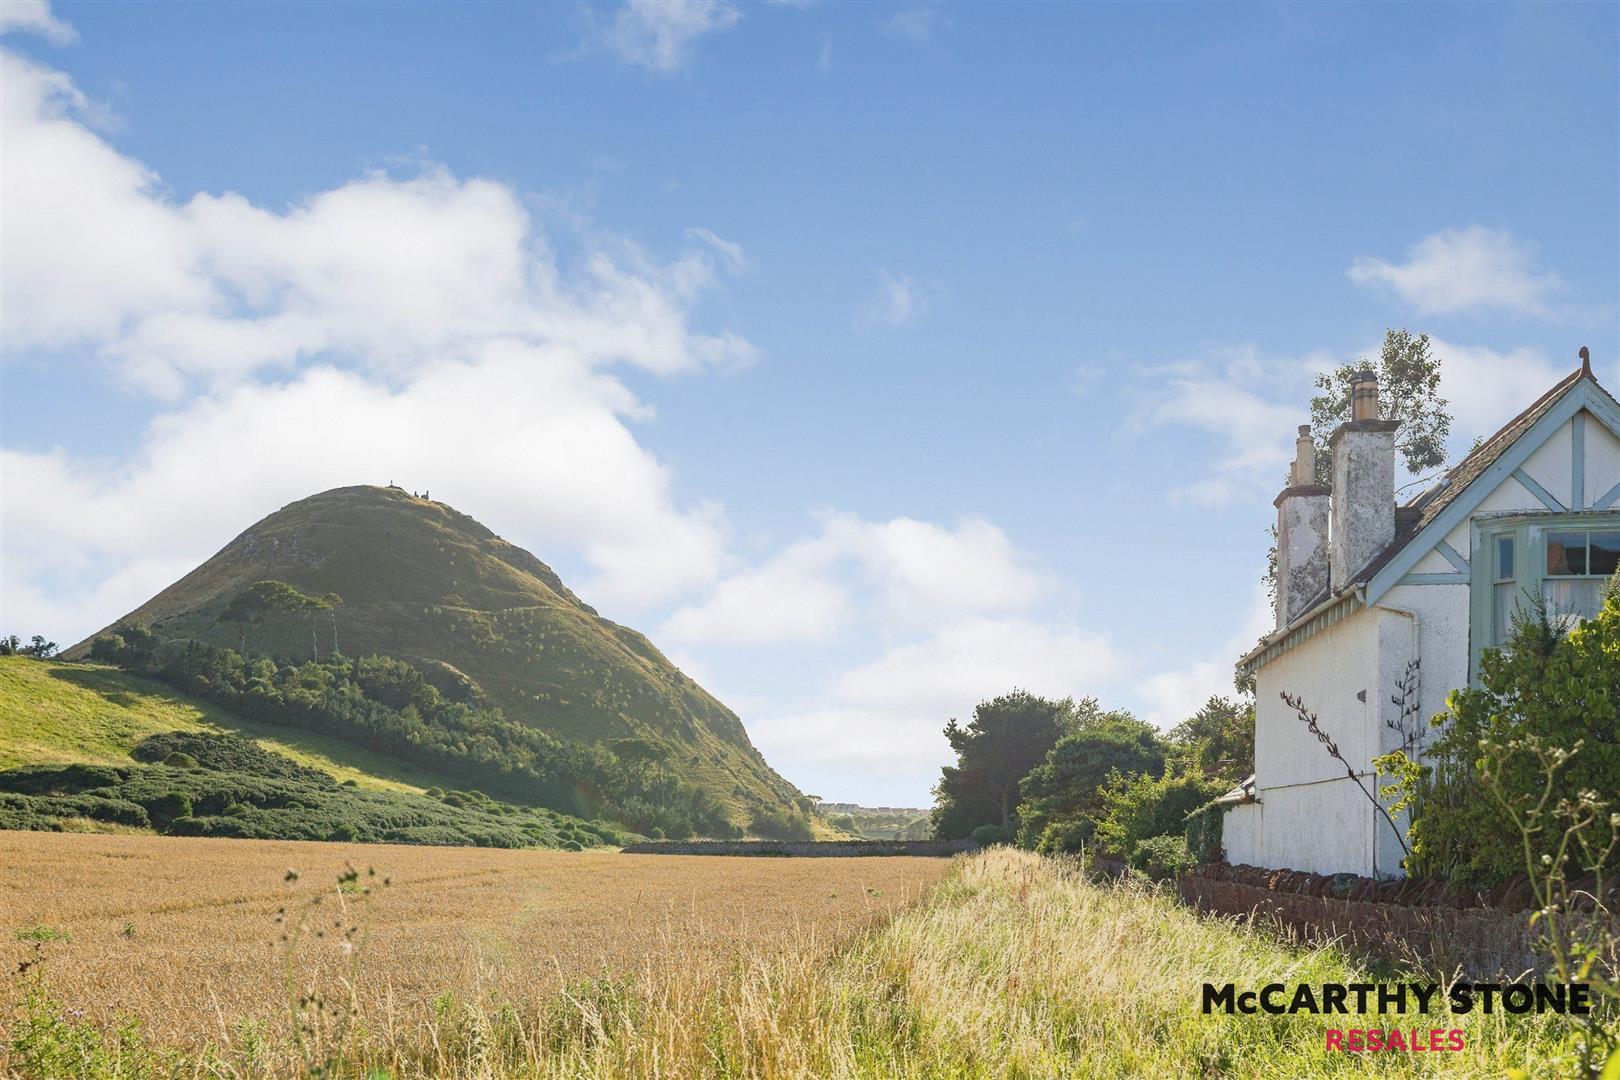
[1302,534]
[1362,521]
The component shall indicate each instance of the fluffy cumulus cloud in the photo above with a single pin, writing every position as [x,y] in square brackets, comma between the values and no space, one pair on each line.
[952,615]
[1466,269]
[908,573]
[879,725]
[34,17]
[660,35]
[417,328]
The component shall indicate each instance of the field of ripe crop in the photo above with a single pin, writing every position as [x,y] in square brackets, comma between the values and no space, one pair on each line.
[208,941]
[486,965]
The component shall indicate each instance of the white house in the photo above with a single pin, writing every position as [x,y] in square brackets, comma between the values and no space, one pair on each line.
[1380,605]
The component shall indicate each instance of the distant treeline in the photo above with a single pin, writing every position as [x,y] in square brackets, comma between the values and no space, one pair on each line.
[388,706]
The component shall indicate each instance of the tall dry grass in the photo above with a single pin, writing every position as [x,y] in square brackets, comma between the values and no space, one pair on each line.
[1015,966]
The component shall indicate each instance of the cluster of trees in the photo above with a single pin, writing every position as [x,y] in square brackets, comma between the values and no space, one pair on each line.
[389,706]
[1057,776]
[37,647]
[199,784]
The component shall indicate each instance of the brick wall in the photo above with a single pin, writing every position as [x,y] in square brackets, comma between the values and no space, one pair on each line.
[802,848]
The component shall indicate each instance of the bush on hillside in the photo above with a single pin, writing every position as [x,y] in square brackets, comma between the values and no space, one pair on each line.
[1138,808]
[389,707]
[285,801]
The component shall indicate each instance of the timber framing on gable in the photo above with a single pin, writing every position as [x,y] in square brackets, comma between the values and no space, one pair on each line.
[1585,397]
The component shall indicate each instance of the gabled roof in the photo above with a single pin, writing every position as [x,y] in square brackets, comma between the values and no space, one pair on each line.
[1419,512]
[1436,511]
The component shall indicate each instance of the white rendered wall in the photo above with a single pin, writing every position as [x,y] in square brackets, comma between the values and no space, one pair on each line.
[1241,835]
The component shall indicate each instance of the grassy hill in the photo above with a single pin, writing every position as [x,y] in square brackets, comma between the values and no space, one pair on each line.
[64,714]
[486,621]
[90,748]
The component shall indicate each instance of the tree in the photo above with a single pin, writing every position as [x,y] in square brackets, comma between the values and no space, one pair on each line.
[38,647]
[1063,794]
[1218,740]
[1007,737]
[1408,391]
[264,600]
[1138,808]
[1547,694]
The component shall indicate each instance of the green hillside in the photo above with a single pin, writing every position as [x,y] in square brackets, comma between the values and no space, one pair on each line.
[87,747]
[62,714]
[486,622]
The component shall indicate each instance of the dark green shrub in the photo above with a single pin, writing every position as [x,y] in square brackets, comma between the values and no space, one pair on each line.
[990,835]
[1560,690]
[179,759]
[345,832]
[168,806]
[1136,808]
[777,825]
[1162,857]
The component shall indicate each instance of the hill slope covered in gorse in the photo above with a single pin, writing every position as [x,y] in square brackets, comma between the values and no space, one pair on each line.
[485,621]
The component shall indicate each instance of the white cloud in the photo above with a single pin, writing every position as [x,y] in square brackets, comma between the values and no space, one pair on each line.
[34,17]
[1462,270]
[880,724]
[791,598]
[416,329]
[1488,387]
[659,35]
[898,300]
[908,574]
[954,614]
[916,23]
[1251,403]
[731,252]
[1174,695]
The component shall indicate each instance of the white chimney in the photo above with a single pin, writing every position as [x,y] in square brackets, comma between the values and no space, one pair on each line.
[1302,534]
[1363,512]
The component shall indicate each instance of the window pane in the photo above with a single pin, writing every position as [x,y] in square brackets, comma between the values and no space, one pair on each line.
[1566,553]
[1578,599]
[1504,558]
[1502,603]
[1604,553]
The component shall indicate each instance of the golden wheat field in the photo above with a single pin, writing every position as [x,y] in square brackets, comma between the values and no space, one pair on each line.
[201,939]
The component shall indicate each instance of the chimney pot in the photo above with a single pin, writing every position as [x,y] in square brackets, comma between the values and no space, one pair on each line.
[1364,396]
[1304,470]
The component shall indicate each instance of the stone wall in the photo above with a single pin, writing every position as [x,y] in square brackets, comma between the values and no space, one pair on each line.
[802,848]
[1485,935]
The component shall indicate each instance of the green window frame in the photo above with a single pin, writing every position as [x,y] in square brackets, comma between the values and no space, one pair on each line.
[1563,557]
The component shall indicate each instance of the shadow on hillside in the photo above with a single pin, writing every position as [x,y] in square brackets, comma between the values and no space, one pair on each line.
[106,683]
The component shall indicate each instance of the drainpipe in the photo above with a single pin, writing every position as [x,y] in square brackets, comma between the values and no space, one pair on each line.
[1361,591]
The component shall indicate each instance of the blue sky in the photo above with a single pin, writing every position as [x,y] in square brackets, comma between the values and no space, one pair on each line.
[872,358]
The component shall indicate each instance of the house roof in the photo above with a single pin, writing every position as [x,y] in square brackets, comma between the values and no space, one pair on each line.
[1412,517]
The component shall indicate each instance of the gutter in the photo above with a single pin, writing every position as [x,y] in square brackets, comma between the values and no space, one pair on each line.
[1307,626]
